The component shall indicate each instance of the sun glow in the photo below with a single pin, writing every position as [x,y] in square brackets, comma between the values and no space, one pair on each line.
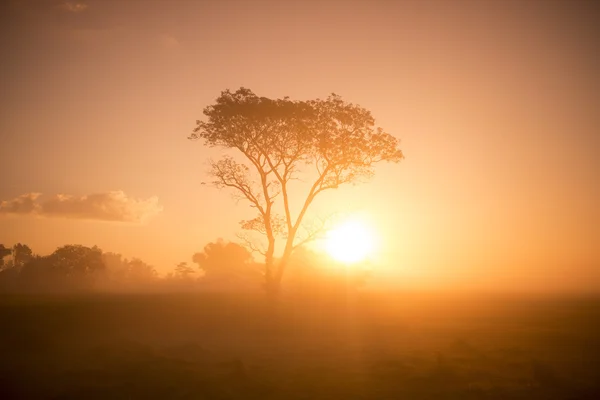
[350,242]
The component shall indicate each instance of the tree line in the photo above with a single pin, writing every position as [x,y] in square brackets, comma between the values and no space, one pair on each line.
[321,143]
[220,266]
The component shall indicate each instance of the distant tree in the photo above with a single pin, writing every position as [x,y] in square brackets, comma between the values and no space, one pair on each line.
[21,254]
[74,267]
[77,265]
[140,272]
[39,275]
[8,275]
[80,259]
[279,138]
[114,263]
[222,261]
[127,274]
[4,251]
[184,270]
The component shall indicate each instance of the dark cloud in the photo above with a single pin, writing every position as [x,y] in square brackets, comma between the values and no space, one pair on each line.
[110,206]
[24,204]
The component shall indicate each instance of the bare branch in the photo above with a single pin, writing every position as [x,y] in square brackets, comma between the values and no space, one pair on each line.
[257,224]
[316,230]
[228,173]
[251,244]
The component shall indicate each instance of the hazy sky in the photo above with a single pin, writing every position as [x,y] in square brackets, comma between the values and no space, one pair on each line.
[497,104]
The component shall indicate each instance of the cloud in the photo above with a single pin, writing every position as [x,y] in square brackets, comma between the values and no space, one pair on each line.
[73,6]
[24,204]
[110,206]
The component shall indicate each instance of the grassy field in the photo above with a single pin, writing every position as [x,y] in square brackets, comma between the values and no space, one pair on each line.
[209,346]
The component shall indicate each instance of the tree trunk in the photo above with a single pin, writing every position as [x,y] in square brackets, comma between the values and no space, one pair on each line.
[272,284]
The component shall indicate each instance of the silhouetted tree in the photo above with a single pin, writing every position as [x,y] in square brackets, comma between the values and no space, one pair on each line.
[280,138]
[122,273]
[115,265]
[40,275]
[71,266]
[8,275]
[21,254]
[4,251]
[74,267]
[225,263]
[140,272]
[184,270]
[78,259]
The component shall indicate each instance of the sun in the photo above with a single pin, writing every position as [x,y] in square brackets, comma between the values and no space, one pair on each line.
[350,242]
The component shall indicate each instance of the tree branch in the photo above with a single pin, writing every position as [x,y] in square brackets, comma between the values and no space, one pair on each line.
[250,244]
[315,233]
[227,173]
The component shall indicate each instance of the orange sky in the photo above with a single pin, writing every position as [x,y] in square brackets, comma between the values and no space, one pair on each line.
[496,104]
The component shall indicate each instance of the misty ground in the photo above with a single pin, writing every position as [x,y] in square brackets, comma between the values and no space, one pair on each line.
[223,346]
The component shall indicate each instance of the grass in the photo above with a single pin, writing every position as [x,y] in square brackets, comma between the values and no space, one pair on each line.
[211,346]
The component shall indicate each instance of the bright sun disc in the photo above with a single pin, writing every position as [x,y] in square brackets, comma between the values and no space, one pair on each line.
[350,242]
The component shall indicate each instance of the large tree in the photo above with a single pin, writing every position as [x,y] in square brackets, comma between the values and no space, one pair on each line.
[279,139]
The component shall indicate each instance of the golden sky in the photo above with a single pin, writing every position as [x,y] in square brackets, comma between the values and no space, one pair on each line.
[497,104]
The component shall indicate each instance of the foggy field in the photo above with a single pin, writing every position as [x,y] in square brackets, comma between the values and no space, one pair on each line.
[213,346]
[318,200]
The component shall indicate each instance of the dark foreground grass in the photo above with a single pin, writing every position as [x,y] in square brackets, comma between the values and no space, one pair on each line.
[209,346]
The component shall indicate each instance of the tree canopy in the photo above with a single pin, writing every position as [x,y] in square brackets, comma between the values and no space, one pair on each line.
[4,251]
[224,260]
[279,138]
